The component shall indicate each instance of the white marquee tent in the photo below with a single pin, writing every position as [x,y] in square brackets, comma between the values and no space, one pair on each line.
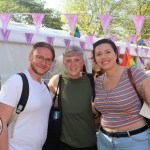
[14,52]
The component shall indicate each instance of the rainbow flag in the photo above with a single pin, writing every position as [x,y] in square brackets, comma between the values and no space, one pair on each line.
[139,40]
[127,59]
[76,32]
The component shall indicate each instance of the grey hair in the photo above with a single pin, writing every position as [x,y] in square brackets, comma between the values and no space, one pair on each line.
[73,50]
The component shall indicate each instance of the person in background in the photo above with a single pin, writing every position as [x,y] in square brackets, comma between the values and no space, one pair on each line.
[122,128]
[147,69]
[96,70]
[30,129]
[78,128]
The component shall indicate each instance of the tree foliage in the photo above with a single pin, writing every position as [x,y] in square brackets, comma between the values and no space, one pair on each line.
[21,12]
[121,11]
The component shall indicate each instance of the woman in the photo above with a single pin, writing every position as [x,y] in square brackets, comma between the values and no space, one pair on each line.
[78,128]
[122,128]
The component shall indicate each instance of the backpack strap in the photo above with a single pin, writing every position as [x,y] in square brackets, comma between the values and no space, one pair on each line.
[24,95]
[91,78]
[22,102]
[47,86]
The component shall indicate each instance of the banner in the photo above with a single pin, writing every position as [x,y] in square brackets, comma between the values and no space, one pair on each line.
[5,18]
[90,39]
[72,19]
[82,45]
[50,40]
[113,37]
[67,42]
[133,38]
[105,21]
[5,34]
[28,37]
[147,42]
[38,19]
[138,22]
[128,41]
[137,51]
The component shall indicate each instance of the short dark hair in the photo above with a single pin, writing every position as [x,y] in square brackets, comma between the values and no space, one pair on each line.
[46,45]
[106,41]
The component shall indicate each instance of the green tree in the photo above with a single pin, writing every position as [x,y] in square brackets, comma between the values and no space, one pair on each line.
[22,9]
[121,11]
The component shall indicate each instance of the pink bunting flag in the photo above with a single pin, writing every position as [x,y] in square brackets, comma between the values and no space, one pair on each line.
[82,45]
[67,42]
[5,34]
[28,37]
[113,37]
[133,38]
[142,60]
[138,22]
[5,18]
[50,40]
[90,39]
[146,50]
[137,51]
[147,42]
[128,41]
[72,19]
[105,21]
[38,19]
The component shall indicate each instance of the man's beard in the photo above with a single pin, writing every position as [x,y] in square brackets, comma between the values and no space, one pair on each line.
[36,71]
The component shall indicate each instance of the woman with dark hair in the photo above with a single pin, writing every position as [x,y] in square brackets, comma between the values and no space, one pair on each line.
[122,128]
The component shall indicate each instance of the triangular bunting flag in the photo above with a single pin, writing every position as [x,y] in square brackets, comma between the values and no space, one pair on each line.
[90,39]
[137,51]
[72,19]
[133,38]
[105,21]
[140,62]
[82,45]
[128,41]
[147,42]
[76,32]
[127,59]
[50,40]
[38,19]
[146,50]
[5,34]
[138,22]
[139,40]
[5,20]
[67,42]
[28,37]
[113,37]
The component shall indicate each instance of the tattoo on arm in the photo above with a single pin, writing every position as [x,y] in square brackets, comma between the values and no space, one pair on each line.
[1,125]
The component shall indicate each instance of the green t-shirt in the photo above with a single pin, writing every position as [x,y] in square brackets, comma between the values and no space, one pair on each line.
[78,129]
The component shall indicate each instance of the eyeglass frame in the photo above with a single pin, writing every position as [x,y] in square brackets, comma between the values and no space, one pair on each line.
[40,59]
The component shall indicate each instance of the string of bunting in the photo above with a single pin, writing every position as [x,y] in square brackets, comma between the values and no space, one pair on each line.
[105,20]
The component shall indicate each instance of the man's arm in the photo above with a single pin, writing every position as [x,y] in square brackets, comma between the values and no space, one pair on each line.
[6,112]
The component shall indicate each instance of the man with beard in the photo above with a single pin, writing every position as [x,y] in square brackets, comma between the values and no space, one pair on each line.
[29,130]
